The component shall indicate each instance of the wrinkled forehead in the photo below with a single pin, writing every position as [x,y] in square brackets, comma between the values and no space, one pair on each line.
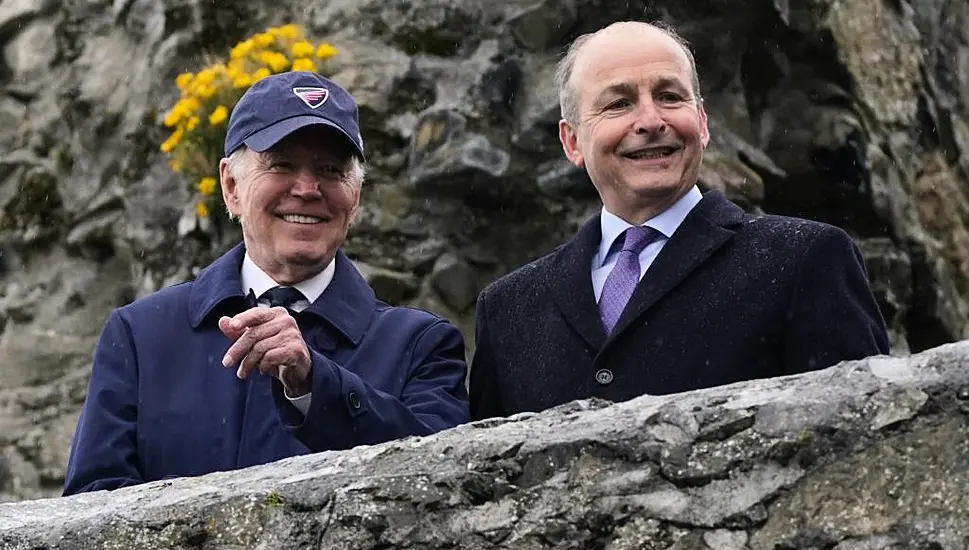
[631,56]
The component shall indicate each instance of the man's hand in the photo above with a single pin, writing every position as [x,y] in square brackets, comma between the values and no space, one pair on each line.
[268,340]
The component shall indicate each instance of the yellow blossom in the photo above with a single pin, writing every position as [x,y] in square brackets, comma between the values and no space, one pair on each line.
[192,123]
[235,68]
[264,39]
[242,49]
[218,115]
[287,31]
[304,65]
[184,80]
[169,145]
[188,105]
[260,74]
[173,117]
[242,81]
[276,61]
[302,49]
[205,92]
[202,209]
[326,51]
[207,185]
[205,77]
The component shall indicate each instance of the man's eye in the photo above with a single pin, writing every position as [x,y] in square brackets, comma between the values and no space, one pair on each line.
[670,97]
[330,169]
[280,165]
[617,104]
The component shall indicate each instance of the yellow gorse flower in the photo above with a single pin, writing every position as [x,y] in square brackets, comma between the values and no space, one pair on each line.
[304,65]
[303,49]
[194,148]
[207,185]
[218,115]
[325,51]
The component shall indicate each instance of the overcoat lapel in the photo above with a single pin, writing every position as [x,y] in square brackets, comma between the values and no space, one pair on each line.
[706,228]
[571,283]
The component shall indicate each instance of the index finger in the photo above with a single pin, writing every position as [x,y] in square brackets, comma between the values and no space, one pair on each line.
[252,317]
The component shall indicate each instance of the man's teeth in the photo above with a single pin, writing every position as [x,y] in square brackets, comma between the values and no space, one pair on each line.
[652,153]
[298,218]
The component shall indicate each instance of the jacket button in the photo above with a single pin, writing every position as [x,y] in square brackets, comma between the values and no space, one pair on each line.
[604,377]
[354,400]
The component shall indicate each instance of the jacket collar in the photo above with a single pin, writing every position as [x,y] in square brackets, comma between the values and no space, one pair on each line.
[347,303]
[707,227]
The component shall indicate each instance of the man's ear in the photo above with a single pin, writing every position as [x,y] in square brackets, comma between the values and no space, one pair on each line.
[704,130]
[355,191]
[230,188]
[570,143]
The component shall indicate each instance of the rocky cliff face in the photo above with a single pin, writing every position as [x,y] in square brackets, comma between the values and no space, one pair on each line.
[869,455]
[854,113]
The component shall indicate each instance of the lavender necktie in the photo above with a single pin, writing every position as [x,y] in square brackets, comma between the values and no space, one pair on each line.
[624,277]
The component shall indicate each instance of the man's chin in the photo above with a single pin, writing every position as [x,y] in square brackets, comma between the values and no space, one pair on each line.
[305,259]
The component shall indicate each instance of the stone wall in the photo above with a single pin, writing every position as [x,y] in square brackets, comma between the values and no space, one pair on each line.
[853,113]
[869,455]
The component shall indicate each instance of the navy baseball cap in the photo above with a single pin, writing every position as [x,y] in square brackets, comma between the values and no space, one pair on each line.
[280,104]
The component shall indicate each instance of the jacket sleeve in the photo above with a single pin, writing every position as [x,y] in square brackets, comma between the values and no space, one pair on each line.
[485,399]
[346,411]
[104,452]
[833,315]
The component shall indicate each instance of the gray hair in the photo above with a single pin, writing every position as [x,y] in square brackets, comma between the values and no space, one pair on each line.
[568,101]
[238,161]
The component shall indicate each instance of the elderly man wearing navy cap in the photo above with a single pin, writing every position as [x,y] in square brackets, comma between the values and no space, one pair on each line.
[279,347]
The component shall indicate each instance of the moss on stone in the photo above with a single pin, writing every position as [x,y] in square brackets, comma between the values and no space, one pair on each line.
[37,202]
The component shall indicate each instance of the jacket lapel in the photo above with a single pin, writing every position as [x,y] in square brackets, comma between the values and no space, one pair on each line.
[706,228]
[347,304]
[571,281]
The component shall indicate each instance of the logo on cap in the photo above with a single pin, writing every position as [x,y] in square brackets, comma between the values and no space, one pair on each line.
[312,97]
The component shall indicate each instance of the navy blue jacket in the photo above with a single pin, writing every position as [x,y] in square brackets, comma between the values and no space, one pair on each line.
[160,404]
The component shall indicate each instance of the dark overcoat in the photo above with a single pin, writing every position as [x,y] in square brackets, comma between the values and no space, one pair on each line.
[730,297]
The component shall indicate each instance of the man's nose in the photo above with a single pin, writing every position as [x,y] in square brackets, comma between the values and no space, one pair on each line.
[307,183]
[649,118]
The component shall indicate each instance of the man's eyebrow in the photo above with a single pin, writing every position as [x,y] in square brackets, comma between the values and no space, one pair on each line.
[669,82]
[618,88]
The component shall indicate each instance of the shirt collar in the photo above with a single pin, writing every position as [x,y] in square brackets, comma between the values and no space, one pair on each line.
[257,280]
[666,222]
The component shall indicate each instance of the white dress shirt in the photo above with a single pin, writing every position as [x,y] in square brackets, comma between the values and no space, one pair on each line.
[612,226]
[256,280]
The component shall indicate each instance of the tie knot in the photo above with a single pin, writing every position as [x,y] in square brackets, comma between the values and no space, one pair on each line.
[284,296]
[637,237]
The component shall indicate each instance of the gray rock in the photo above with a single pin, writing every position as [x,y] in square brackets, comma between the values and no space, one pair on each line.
[446,160]
[32,50]
[537,127]
[581,476]
[890,272]
[14,14]
[560,178]
[393,287]
[542,25]
[456,281]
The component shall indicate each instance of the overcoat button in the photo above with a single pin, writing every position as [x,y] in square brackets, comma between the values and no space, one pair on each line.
[604,377]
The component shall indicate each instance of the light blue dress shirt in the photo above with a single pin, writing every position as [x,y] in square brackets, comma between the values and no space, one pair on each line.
[612,226]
